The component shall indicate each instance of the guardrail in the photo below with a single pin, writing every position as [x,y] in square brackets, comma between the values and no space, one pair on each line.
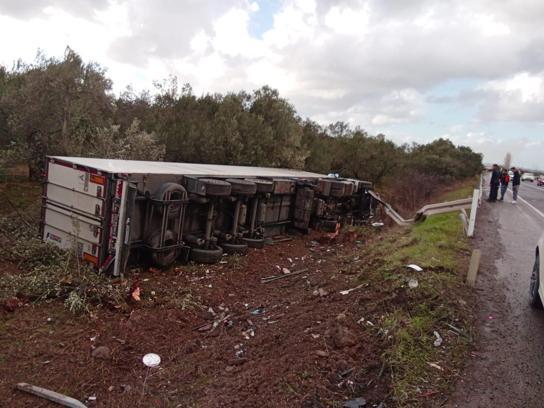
[469,222]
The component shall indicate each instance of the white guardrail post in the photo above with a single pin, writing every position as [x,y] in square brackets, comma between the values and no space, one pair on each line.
[481,189]
[473,209]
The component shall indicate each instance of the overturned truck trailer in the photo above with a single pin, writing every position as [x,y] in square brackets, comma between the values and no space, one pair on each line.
[116,212]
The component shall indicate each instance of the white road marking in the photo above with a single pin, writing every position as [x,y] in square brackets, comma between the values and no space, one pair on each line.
[532,207]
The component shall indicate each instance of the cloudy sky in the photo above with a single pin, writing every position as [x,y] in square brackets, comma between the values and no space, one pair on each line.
[415,70]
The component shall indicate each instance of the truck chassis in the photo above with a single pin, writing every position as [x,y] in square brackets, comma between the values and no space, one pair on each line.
[120,212]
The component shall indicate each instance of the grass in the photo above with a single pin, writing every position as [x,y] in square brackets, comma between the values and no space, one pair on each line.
[409,316]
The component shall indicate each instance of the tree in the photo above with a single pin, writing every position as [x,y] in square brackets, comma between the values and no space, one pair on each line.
[52,100]
[368,158]
[133,143]
[282,145]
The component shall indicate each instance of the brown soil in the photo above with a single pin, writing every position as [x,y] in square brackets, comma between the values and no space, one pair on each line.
[306,348]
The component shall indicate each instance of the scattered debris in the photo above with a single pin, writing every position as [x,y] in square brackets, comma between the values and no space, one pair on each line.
[355,403]
[438,341]
[413,283]
[285,271]
[348,291]
[455,329]
[434,365]
[320,292]
[257,311]
[273,278]
[205,327]
[322,353]
[151,360]
[248,334]
[347,372]
[377,224]
[239,350]
[50,395]
[415,267]
[135,294]
[91,398]
[277,241]
[101,352]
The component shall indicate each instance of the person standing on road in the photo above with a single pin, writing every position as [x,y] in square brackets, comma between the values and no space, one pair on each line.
[516,181]
[504,180]
[494,184]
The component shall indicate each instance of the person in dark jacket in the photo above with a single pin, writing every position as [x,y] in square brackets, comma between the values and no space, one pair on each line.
[494,184]
[516,181]
[504,179]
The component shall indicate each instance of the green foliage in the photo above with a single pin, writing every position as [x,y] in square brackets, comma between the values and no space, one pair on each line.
[65,107]
[47,272]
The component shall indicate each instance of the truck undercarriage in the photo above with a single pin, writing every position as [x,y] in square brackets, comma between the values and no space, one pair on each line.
[118,212]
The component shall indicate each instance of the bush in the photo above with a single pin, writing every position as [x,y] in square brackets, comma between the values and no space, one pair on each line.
[48,272]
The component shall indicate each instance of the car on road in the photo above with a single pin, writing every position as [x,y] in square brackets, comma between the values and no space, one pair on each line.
[528,177]
[536,287]
[540,181]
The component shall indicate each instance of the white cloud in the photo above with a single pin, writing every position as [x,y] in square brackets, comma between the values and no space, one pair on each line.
[373,63]
[519,97]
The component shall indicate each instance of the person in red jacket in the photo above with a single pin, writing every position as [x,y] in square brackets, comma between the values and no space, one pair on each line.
[504,179]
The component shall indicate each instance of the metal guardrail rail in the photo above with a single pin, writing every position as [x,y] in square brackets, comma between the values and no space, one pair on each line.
[438,208]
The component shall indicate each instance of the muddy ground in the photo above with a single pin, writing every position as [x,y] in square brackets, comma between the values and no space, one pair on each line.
[225,338]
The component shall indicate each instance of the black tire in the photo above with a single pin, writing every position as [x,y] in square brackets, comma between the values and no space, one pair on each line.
[254,242]
[217,188]
[163,258]
[207,256]
[245,187]
[234,248]
[175,192]
[534,299]
[263,186]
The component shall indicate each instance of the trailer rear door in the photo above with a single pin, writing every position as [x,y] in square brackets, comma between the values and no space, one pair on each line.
[74,209]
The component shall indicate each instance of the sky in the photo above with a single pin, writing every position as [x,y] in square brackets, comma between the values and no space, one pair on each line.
[414,70]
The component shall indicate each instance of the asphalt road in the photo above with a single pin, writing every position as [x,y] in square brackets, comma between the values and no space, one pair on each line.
[508,368]
[532,194]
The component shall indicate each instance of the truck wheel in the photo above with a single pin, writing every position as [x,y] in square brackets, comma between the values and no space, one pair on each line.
[240,186]
[263,186]
[234,248]
[216,187]
[208,256]
[534,299]
[175,192]
[254,242]
[163,258]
